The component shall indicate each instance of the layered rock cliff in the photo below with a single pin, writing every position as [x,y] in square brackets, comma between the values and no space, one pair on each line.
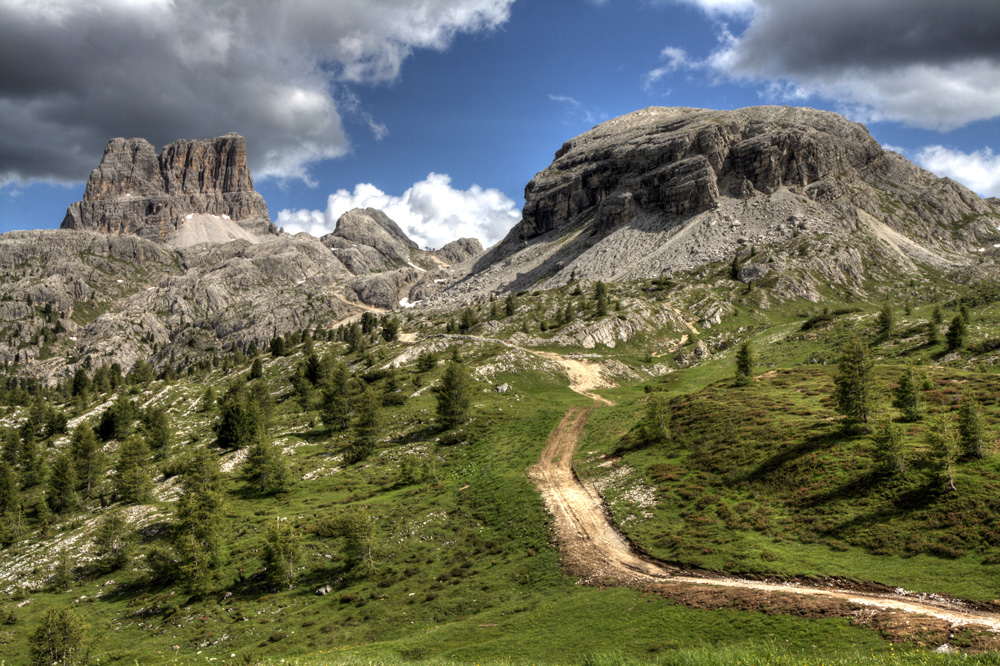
[205,184]
[662,191]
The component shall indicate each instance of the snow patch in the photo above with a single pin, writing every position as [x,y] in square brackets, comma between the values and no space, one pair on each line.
[405,303]
[422,270]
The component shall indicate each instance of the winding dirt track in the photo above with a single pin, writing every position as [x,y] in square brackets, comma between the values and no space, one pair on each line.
[594,550]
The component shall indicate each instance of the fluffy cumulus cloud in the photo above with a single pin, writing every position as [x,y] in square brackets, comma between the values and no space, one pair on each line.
[431,212]
[73,74]
[926,63]
[979,170]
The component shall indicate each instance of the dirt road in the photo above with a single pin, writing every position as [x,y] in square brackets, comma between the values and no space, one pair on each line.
[594,550]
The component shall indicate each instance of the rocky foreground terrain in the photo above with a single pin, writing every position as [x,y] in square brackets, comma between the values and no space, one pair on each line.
[173,257]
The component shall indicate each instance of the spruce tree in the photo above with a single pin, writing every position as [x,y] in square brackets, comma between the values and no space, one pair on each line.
[970,427]
[367,427]
[956,333]
[88,459]
[61,494]
[58,638]
[885,322]
[854,386]
[201,532]
[887,448]
[62,577]
[156,428]
[114,540]
[336,407]
[601,299]
[941,453]
[313,369]
[906,397]
[454,396]
[256,369]
[132,482]
[510,305]
[241,421]
[10,498]
[390,328]
[281,555]
[744,364]
[265,469]
[31,464]
[116,421]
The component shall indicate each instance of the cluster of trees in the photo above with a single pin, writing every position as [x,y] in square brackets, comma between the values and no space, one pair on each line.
[857,393]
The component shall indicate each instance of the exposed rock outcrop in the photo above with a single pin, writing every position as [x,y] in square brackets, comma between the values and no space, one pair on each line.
[668,190]
[134,191]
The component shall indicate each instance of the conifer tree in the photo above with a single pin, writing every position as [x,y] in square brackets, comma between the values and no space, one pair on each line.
[941,453]
[62,578]
[61,494]
[201,532]
[114,540]
[281,555]
[956,333]
[58,638]
[655,426]
[937,318]
[241,421]
[454,396]
[336,408]
[885,323]
[357,528]
[256,369]
[601,299]
[11,453]
[744,364]
[855,391]
[970,427]
[156,428]
[313,369]
[390,328]
[906,397]
[116,421]
[31,464]
[10,497]
[367,427]
[278,347]
[510,305]
[132,482]
[887,448]
[265,469]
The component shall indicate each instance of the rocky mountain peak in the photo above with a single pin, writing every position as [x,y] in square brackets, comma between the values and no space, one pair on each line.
[136,191]
[662,191]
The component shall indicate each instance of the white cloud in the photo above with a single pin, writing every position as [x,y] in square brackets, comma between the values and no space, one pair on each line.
[675,58]
[74,74]
[431,212]
[721,7]
[979,170]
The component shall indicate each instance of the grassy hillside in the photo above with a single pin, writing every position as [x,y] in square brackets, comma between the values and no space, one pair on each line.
[458,558]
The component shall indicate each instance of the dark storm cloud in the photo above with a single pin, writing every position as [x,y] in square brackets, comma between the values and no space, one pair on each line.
[802,37]
[927,63]
[73,75]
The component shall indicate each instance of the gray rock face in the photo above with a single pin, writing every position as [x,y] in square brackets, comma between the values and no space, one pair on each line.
[663,191]
[134,191]
[459,251]
[680,161]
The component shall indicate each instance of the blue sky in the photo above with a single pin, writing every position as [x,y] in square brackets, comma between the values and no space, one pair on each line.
[441,111]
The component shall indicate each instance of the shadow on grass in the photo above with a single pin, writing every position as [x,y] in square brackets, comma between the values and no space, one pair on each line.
[788,455]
